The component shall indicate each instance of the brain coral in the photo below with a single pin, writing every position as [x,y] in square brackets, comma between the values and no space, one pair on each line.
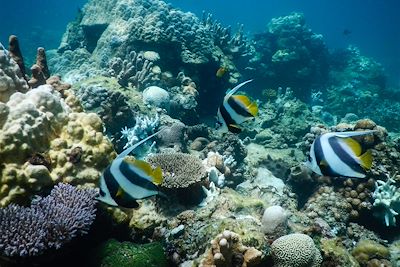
[295,250]
[41,122]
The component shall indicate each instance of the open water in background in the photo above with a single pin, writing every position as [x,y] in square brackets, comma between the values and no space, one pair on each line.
[374,24]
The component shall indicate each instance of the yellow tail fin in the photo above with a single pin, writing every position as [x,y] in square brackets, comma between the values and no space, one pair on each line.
[366,160]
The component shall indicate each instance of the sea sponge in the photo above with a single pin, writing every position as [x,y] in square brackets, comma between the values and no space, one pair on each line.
[227,250]
[295,250]
[183,174]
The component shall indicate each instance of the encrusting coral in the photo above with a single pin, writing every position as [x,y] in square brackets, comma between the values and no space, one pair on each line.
[48,223]
[227,250]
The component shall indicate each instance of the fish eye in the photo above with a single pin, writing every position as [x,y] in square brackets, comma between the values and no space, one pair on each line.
[309,158]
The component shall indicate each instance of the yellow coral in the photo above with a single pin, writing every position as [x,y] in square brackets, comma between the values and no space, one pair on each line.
[40,121]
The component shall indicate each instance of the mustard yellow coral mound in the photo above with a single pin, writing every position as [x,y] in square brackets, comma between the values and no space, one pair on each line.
[42,141]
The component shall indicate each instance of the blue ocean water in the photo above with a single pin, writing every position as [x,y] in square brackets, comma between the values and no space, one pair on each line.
[37,23]
[373,25]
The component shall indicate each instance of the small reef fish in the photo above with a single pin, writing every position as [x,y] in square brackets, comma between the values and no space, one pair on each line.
[337,154]
[234,110]
[126,180]
[221,72]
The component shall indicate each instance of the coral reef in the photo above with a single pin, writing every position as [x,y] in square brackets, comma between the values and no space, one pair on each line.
[48,223]
[290,54]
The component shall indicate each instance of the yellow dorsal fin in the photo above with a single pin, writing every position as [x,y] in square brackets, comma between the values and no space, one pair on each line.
[366,160]
[143,165]
[157,176]
[251,107]
[353,145]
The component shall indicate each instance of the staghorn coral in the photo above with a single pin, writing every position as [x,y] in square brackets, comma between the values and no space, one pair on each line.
[227,250]
[295,250]
[48,223]
[40,121]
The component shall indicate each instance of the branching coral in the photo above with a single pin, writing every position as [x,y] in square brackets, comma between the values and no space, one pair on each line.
[48,223]
[387,201]
[144,127]
[135,70]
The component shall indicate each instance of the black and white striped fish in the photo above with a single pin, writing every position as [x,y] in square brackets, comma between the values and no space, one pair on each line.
[234,110]
[337,154]
[127,180]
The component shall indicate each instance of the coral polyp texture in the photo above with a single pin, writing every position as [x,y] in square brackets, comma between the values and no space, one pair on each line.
[40,121]
[49,222]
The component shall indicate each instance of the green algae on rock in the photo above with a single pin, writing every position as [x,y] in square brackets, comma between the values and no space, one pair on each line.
[126,254]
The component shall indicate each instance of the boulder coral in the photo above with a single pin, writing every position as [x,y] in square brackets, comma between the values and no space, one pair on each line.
[40,121]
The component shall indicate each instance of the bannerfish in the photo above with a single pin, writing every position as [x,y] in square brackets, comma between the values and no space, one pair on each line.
[221,72]
[234,110]
[127,180]
[337,154]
